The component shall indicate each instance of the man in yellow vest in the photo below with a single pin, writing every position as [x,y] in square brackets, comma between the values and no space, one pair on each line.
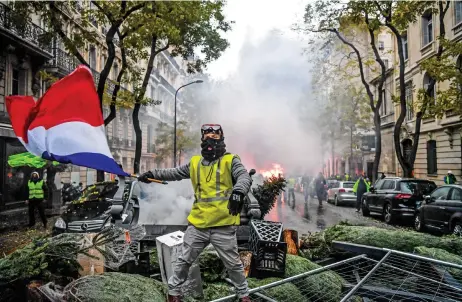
[291,189]
[37,192]
[220,184]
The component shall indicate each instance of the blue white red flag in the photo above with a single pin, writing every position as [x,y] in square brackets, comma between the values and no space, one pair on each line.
[65,124]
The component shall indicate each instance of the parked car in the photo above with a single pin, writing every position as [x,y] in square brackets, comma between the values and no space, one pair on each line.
[394,197]
[341,193]
[100,206]
[441,211]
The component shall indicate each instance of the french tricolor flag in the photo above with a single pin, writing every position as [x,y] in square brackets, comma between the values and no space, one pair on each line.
[65,124]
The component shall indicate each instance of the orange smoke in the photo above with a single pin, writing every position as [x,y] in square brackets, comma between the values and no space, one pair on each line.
[275,171]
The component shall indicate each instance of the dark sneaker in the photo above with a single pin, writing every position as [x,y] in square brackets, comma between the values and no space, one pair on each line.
[245,299]
[175,299]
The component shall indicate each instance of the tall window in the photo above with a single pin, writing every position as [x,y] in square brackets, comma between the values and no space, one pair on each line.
[125,128]
[18,82]
[409,101]
[115,71]
[150,139]
[458,11]
[427,28]
[384,102]
[431,157]
[15,82]
[103,62]
[381,45]
[405,46]
[426,84]
[92,55]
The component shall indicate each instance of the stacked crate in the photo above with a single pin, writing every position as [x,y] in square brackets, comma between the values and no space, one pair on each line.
[269,252]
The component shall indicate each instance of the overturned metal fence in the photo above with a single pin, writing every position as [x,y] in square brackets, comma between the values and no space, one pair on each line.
[392,276]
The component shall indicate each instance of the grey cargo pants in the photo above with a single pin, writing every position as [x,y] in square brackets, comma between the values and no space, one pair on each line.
[224,241]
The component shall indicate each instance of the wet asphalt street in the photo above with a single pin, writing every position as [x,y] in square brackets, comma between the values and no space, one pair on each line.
[310,217]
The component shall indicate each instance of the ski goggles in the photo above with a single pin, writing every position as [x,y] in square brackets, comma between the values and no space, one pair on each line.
[211,128]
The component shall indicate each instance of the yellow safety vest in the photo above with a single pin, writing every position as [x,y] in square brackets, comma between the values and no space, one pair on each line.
[291,182]
[36,189]
[212,185]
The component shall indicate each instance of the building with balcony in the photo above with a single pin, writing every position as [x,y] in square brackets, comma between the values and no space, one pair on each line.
[439,148]
[24,52]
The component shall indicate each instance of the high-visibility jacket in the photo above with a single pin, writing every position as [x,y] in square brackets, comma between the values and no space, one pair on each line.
[449,179]
[347,177]
[291,183]
[36,189]
[213,186]
[355,187]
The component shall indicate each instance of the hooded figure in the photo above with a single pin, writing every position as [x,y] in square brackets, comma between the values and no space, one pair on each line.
[37,191]
[319,185]
[450,179]
[220,184]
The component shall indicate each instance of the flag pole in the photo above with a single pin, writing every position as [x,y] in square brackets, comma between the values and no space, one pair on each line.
[152,180]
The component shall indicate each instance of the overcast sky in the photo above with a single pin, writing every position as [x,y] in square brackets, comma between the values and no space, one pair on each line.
[255,19]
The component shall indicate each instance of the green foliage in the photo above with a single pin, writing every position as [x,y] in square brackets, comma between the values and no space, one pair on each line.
[51,257]
[267,193]
[442,255]
[164,140]
[443,69]
[110,287]
[283,292]
[325,286]
[401,240]
[211,266]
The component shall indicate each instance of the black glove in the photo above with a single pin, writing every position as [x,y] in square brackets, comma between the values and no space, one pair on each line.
[235,203]
[144,177]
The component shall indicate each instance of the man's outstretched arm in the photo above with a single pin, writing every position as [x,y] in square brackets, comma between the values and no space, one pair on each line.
[171,174]
[241,177]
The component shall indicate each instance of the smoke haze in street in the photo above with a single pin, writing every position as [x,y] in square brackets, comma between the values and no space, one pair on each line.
[265,107]
[166,204]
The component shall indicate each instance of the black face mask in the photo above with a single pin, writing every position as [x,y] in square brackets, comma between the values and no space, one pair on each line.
[213,148]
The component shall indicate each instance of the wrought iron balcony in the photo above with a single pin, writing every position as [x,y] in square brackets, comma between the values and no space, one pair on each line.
[24,29]
[66,63]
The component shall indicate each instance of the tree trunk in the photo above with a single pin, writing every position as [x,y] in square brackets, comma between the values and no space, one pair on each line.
[333,152]
[378,145]
[138,137]
[407,164]
[350,162]
[139,98]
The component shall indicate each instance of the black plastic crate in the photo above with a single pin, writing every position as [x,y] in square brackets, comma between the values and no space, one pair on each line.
[261,230]
[269,260]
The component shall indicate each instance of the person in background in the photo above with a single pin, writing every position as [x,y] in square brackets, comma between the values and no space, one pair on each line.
[346,177]
[368,181]
[221,183]
[383,176]
[450,178]
[361,186]
[319,186]
[306,183]
[37,191]
[291,188]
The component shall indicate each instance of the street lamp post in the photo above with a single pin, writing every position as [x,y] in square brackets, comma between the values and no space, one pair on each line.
[174,121]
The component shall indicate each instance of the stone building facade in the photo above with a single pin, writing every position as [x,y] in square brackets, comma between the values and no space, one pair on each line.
[439,148]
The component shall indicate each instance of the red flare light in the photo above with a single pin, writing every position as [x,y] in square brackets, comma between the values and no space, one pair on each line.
[275,171]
